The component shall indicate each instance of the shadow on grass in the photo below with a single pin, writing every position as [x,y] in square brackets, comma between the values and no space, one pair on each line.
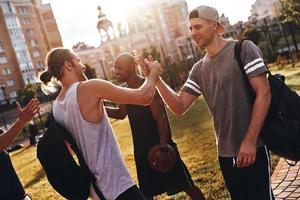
[37,177]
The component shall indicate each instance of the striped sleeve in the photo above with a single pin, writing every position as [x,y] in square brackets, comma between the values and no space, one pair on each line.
[253,60]
[191,85]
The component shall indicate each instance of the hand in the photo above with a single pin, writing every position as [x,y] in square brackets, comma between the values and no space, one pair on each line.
[144,67]
[154,66]
[247,153]
[27,113]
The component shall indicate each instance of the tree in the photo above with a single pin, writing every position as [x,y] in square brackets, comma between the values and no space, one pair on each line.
[290,15]
[90,72]
[252,34]
[290,11]
[25,95]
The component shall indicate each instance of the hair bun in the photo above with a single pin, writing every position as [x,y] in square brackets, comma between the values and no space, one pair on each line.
[46,77]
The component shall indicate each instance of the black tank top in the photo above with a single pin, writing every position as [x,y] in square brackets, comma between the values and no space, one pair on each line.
[144,131]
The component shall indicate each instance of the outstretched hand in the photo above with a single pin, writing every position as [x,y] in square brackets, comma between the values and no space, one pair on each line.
[27,113]
[149,65]
[144,67]
[153,65]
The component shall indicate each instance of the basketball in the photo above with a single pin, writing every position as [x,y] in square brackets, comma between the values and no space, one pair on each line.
[162,159]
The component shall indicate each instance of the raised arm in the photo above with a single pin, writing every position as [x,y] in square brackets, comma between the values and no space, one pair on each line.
[178,103]
[25,115]
[101,89]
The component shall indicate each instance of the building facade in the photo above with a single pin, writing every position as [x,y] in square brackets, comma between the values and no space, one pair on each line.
[27,31]
[264,9]
[156,24]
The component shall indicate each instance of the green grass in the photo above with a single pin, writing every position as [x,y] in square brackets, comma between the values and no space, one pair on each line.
[193,134]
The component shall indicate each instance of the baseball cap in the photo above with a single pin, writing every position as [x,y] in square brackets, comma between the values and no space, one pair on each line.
[208,13]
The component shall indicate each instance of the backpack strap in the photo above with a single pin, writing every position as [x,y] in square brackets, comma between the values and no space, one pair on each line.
[69,138]
[238,57]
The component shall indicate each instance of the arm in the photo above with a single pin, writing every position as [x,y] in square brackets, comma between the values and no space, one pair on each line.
[117,113]
[177,103]
[25,115]
[101,89]
[160,116]
[247,152]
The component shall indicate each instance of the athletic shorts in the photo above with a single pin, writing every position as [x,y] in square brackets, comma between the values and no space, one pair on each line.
[154,183]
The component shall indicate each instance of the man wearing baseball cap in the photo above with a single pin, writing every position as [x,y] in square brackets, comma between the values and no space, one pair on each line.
[243,158]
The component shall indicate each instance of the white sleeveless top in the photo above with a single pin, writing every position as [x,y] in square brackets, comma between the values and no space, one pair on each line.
[97,143]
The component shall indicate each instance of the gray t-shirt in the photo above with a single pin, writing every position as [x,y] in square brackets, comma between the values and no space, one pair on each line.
[220,81]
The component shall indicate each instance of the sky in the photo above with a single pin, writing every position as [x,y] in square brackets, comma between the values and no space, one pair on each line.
[77,19]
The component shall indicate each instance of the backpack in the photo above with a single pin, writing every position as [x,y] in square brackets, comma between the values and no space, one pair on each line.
[281,130]
[69,179]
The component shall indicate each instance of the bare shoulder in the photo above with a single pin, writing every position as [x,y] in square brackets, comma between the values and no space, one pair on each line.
[95,84]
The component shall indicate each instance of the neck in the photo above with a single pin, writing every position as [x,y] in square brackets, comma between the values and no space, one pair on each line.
[217,44]
[66,83]
[134,81]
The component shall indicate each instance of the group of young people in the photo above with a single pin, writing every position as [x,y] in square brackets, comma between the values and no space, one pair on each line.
[243,157]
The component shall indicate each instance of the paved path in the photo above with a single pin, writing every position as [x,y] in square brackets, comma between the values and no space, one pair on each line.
[286,181]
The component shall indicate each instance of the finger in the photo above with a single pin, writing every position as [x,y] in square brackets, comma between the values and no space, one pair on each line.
[35,108]
[33,104]
[146,61]
[29,105]
[36,111]
[19,109]
[239,160]
[247,161]
[253,158]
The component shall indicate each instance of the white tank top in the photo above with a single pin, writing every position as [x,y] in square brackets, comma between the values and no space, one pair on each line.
[97,143]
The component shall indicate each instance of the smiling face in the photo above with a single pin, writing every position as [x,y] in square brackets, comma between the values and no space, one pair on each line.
[124,67]
[203,31]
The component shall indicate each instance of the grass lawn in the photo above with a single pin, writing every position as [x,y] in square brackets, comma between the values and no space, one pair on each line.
[193,134]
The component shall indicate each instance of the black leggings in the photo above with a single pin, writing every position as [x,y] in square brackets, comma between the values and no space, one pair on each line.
[132,193]
[249,183]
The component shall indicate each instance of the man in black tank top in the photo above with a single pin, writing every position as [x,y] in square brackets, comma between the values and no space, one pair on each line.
[149,127]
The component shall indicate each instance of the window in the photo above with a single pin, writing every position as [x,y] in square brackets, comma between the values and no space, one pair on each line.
[10,82]
[8,7]
[1,47]
[6,71]
[23,10]
[27,20]
[15,33]
[29,31]
[13,94]
[40,65]
[33,43]
[36,54]
[3,60]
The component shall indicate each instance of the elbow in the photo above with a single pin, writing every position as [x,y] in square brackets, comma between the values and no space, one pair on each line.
[146,98]
[178,110]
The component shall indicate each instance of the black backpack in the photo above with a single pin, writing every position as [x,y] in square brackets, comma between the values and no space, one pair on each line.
[281,130]
[68,178]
